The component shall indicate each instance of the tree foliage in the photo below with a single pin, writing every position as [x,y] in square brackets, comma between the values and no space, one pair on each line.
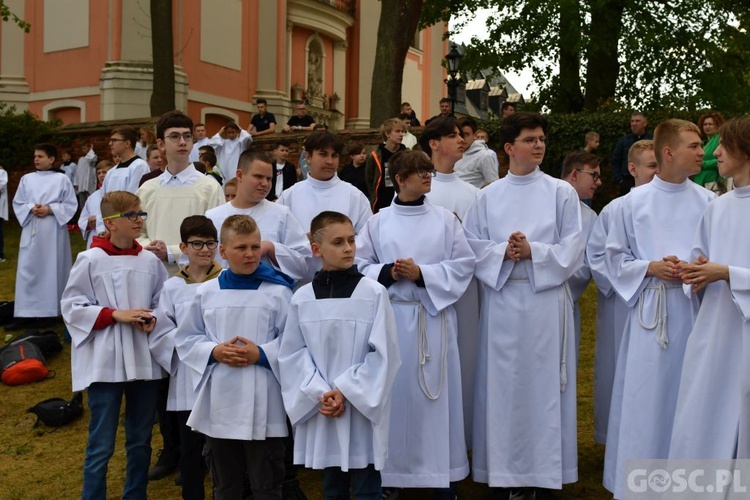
[19,132]
[589,54]
[7,15]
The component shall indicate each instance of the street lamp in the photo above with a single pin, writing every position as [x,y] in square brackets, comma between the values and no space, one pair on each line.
[453,61]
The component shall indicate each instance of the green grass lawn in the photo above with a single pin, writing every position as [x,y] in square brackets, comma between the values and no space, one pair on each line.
[44,463]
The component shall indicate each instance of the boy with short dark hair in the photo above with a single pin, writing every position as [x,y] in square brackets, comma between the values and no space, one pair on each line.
[524,263]
[244,429]
[285,173]
[477,166]
[338,361]
[44,203]
[199,243]
[110,356]
[323,190]
[353,173]
[127,174]
[90,221]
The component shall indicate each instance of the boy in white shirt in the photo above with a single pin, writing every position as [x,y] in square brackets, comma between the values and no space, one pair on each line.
[109,328]
[228,143]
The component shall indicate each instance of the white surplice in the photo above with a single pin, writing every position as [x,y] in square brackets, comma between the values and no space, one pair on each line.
[656,220]
[117,353]
[85,177]
[452,193]
[308,198]
[713,408]
[276,224]
[241,403]
[91,207]
[611,313]
[426,446]
[228,152]
[349,344]
[125,178]
[174,302]
[580,280]
[44,255]
[525,404]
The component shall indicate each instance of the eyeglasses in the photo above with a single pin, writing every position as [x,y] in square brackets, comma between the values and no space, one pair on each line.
[594,175]
[533,141]
[131,216]
[175,137]
[198,245]
[113,140]
[426,173]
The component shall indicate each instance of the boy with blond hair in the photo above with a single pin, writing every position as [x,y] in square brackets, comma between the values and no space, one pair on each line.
[379,184]
[109,327]
[244,429]
[611,311]
[339,402]
[646,247]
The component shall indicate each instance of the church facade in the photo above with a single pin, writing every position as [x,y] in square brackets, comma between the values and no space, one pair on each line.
[90,60]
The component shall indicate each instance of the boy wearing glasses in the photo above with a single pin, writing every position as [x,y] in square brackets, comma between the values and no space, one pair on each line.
[107,306]
[285,245]
[128,172]
[199,243]
[581,170]
[525,398]
[180,191]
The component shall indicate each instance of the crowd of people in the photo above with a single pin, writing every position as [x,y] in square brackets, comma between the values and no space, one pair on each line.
[381,320]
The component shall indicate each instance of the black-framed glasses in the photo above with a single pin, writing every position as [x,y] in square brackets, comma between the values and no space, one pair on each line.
[131,216]
[113,140]
[426,173]
[198,245]
[175,137]
[594,175]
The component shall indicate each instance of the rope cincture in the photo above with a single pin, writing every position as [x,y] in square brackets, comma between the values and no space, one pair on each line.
[660,315]
[423,350]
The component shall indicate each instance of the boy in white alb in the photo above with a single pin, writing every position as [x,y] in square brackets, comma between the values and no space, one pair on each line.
[228,143]
[712,420]
[230,341]
[85,179]
[338,361]
[44,203]
[581,170]
[611,310]
[177,193]
[645,247]
[323,190]
[199,242]
[442,141]
[285,245]
[107,306]
[525,404]
[128,172]
[90,221]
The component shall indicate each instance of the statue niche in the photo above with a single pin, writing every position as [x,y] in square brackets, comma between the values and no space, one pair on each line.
[314,92]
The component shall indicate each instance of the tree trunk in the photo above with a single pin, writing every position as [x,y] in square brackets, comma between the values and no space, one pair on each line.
[398,24]
[603,67]
[162,54]
[569,98]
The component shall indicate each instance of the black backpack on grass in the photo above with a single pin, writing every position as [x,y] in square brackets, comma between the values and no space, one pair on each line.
[47,341]
[56,412]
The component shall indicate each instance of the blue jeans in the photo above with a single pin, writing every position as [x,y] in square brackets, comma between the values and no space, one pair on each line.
[104,404]
[365,483]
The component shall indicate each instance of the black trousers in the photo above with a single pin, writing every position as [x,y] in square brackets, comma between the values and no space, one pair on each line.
[261,461]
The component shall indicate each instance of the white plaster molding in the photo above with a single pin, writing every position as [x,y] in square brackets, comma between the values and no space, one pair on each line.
[221,112]
[48,108]
[219,102]
[320,17]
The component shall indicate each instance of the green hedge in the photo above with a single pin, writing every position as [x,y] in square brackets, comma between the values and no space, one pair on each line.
[18,134]
[567,131]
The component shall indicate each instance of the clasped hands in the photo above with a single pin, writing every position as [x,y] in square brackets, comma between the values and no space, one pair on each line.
[237,352]
[406,269]
[518,247]
[332,404]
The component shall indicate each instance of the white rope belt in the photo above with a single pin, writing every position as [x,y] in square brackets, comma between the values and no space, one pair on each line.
[660,314]
[423,352]
[567,326]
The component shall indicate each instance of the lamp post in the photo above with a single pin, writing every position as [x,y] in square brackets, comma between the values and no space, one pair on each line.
[453,61]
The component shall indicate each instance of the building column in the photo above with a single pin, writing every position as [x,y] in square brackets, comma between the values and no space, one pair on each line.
[14,89]
[268,26]
[339,79]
